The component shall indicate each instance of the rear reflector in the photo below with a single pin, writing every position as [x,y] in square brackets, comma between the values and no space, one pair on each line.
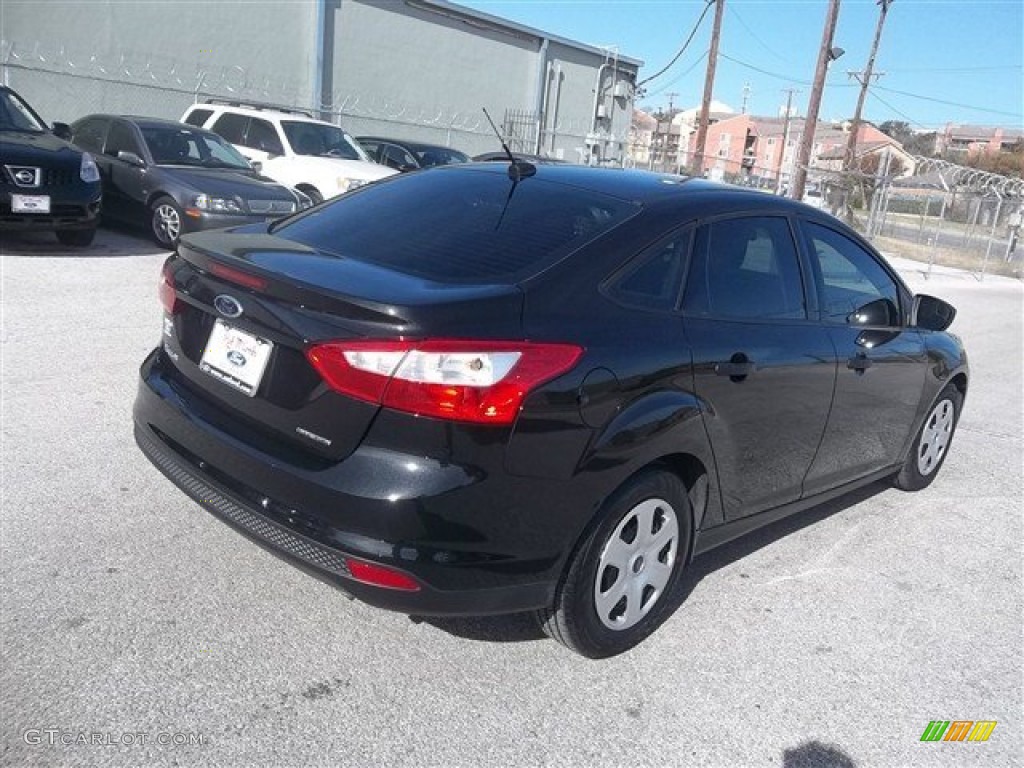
[483,382]
[167,291]
[237,276]
[380,576]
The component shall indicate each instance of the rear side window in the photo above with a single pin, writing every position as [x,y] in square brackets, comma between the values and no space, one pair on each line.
[746,268]
[231,127]
[654,278]
[469,226]
[198,117]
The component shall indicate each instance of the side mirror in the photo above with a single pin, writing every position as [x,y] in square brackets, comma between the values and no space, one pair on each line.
[131,158]
[932,314]
[880,312]
[256,165]
[62,131]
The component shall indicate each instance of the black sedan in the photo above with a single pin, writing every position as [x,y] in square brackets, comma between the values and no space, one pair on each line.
[482,389]
[177,178]
[45,183]
[409,155]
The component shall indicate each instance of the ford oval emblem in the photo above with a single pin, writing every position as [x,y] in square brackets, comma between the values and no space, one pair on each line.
[236,358]
[227,306]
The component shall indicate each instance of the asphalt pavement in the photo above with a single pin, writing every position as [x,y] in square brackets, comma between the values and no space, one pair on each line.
[138,630]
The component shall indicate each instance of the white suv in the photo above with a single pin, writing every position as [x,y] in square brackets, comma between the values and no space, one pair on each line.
[293,148]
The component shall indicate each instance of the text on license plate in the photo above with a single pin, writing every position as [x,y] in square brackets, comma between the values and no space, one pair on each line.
[235,357]
[30,203]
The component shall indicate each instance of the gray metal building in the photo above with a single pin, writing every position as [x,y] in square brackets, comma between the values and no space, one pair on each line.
[412,69]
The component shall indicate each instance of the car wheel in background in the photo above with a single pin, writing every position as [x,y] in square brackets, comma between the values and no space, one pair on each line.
[621,579]
[932,442]
[165,222]
[79,238]
[311,192]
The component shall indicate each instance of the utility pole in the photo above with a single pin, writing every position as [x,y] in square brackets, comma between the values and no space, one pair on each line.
[785,138]
[826,54]
[671,102]
[697,162]
[746,98]
[865,79]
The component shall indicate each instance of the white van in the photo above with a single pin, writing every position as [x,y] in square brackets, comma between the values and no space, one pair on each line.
[292,148]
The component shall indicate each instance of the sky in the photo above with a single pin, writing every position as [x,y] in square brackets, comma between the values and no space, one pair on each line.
[943,61]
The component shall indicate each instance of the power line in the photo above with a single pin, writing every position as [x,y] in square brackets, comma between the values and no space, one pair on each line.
[778,76]
[948,103]
[908,118]
[678,77]
[681,50]
[757,39]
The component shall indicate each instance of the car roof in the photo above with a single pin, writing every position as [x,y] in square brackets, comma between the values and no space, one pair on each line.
[262,111]
[147,122]
[405,143]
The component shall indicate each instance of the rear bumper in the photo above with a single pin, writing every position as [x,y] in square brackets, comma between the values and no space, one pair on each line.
[283,508]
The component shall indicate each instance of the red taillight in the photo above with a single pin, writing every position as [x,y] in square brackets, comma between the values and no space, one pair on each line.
[380,576]
[167,292]
[237,276]
[483,382]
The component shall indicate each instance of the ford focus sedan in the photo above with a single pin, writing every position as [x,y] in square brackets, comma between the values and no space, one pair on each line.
[494,388]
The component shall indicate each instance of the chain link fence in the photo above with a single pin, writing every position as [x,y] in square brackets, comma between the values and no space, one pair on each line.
[65,84]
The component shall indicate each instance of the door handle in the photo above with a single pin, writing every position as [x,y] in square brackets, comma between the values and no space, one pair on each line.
[859,363]
[737,369]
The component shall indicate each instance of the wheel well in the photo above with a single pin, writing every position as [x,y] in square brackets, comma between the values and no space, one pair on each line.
[960,382]
[694,475]
[304,187]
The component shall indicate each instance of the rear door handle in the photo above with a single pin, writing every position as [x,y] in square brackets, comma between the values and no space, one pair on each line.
[859,363]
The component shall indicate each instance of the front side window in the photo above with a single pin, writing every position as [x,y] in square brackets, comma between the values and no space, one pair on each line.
[746,268]
[121,139]
[90,134]
[321,140]
[849,277]
[263,136]
[171,145]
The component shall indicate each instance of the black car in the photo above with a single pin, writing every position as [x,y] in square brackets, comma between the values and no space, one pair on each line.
[409,155]
[45,183]
[501,157]
[473,391]
[177,178]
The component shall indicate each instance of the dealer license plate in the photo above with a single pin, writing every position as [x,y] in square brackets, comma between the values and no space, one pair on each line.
[235,357]
[30,203]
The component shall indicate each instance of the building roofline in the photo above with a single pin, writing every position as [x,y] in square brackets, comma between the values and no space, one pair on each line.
[504,25]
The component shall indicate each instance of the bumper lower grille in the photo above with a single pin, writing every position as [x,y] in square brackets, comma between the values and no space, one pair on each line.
[276,536]
[271,207]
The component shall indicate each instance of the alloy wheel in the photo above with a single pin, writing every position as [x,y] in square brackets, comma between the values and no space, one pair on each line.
[166,224]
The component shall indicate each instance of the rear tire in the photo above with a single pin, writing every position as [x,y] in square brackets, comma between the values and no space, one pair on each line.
[621,581]
[932,442]
[79,238]
[165,222]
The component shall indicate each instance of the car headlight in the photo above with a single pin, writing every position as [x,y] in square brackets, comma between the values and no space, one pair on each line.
[347,185]
[216,204]
[88,170]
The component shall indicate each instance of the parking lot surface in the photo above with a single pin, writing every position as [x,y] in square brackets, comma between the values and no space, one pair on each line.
[138,630]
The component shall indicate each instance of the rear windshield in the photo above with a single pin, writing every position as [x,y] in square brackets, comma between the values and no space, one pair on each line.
[470,226]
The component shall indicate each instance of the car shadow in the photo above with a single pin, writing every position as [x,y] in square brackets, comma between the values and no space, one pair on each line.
[814,754]
[522,627]
[113,240]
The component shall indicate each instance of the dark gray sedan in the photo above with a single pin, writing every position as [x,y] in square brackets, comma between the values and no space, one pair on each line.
[177,178]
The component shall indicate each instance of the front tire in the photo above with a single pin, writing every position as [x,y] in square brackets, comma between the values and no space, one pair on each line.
[621,581]
[311,192]
[165,222]
[79,238]
[932,442]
